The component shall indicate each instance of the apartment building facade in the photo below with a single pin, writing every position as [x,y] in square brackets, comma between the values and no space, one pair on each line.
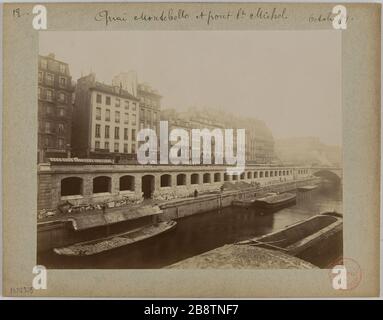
[55,108]
[105,122]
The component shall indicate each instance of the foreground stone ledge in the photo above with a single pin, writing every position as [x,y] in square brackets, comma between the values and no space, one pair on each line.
[242,257]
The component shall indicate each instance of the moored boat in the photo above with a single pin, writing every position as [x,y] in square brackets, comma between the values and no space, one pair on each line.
[303,235]
[246,203]
[307,188]
[115,241]
[274,201]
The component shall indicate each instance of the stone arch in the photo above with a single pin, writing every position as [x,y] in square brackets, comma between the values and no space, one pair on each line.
[181,179]
[102,184]
[217,177]
[194,178]
[328,175]
[71,186]
[127,183]
[147,185]
[166,180]
[206,178]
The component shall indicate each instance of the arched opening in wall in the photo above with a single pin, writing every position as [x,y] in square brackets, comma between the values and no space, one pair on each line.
[181,179]
[276,173]
[166,180]
[261,174]
[217,177]
[271,173]
[148,186]
[266,174]
[328,176]
[234,177]
[242,175]
[101,184]
[71,186]
[249,175]
[280,173]
[194,178]
[255,174]
[225,177]
[206,178]
[284,172]
[127,183]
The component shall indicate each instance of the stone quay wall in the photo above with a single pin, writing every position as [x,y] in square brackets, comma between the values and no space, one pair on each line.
[57,234]
[159,182]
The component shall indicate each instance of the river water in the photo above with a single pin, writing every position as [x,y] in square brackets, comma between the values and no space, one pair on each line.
[199,233]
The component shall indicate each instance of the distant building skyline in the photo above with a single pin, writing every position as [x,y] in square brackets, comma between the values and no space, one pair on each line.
[290,80]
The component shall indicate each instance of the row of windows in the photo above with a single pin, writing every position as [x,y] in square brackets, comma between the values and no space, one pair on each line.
[52,110]
[97,146]
[116,132]
[60,66]
[150,102]
[147,126]
[148,115]
[50,127]
[50,79]
[116,116]
[117,102]
[303,171]
[49,95]
[52,142]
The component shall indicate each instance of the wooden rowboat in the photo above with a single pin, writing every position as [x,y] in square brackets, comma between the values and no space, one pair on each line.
[92,247]
[302,235]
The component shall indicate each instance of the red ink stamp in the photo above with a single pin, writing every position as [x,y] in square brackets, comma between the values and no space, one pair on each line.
[345,274]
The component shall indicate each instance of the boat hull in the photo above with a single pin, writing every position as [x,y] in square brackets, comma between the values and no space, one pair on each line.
[119,240]
[278,205]
[272,202]
[303,237]
[276,201]
[243,203]
[307,188]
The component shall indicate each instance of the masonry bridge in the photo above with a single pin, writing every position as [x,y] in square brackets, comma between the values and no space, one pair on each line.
[86,181]
[328,173]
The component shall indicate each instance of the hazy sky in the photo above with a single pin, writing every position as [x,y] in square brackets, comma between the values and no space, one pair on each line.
[289,79]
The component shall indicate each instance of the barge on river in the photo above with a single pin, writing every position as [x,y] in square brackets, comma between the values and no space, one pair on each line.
[301,236]
[115,241]
[270,201]
[307,188]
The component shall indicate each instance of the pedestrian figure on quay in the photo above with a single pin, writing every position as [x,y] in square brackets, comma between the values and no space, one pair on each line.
[195,193]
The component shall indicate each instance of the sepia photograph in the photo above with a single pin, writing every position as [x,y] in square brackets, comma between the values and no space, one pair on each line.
[134,130]
[191,150]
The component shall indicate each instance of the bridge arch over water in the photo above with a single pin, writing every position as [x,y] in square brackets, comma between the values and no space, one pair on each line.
[331,174]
